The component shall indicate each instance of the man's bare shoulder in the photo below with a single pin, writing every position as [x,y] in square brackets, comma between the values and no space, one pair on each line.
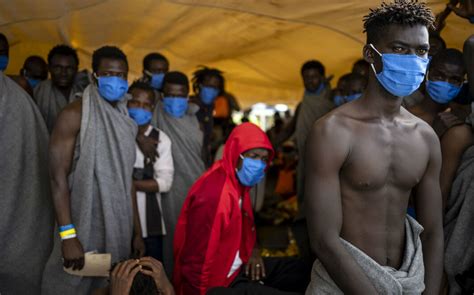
[69,118]
[73,109]
[420,126]
[335,124]
[338,118]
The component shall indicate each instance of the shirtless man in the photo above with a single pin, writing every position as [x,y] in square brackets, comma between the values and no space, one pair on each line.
[365,159]
[92,152]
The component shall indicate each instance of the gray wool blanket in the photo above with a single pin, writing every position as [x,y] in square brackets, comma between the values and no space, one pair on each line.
[100,190]
[186,139]
[312,108]
[409,279]
[51,101]
[26,211]
[459,222]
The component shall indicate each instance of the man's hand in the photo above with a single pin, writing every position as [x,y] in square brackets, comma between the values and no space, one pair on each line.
[443,121]
[255,268]
[138,246]
[465,9]
[121,278]
[153,268]
[148,147]
[73,254]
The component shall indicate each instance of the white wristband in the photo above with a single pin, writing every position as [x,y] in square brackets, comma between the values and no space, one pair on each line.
[72,236]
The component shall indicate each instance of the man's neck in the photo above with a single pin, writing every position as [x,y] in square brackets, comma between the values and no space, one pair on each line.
[380,102]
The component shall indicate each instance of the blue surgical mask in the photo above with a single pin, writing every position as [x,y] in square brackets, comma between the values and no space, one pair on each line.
[442,92]
[140,115]
[252,171]
[339,100]
[33,82]
[353,97]
[175,106]
[208,94]
[112,88]
[402,74]
[157,80]
[3,62]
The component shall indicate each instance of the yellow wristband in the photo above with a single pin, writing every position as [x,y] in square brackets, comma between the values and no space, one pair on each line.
[68,232]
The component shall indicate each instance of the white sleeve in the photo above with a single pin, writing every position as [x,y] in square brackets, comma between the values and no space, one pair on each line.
[164,167]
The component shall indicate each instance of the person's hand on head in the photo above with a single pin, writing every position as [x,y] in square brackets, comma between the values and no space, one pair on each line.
[255,268]
[121,278]
[153,268]
[148,147]
[73,254]
[465,9]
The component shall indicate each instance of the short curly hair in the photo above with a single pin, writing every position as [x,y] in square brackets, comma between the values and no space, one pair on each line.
[399,12]
[63,50]
[111,52]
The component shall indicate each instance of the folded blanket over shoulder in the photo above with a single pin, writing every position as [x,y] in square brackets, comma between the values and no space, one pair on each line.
[100,191]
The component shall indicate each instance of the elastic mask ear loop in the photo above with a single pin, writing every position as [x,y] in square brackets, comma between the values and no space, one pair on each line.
[148,73]
[242,157]
[372,64]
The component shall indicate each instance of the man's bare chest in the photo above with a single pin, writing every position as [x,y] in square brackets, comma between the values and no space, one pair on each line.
[381,157]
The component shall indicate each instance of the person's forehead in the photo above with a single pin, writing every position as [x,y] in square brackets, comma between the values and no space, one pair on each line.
[311,72]
[260,151]
[413,36]
[175,87]
[141,95]
[211,80]
[60,59]
[112,64]
[158,63]
[449,69]
[35,66]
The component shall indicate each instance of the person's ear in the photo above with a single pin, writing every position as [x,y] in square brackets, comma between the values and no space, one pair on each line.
[368,54]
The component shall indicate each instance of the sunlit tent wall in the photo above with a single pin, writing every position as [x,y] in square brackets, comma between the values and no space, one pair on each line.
[260,44]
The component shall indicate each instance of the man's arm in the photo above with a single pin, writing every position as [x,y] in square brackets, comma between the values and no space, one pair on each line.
[326,151]
[138,243]
[61,152]
[428,207]
[147,186]
[453,144]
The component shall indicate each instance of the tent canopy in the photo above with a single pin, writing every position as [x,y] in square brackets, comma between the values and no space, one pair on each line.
[259,44]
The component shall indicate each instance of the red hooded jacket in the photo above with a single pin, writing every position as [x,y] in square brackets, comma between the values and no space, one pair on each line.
[212,227]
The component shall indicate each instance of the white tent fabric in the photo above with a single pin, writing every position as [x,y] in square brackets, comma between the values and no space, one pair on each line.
[259,44]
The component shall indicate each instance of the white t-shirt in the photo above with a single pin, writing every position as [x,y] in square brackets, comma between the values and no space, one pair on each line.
[163,175]
[237,261]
